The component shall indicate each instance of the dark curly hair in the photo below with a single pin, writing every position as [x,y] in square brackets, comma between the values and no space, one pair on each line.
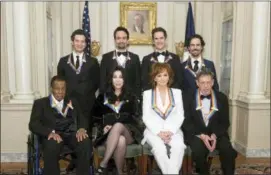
[110,91]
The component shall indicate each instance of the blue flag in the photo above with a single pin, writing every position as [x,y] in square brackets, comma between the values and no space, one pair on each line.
[86,28]
[190,27]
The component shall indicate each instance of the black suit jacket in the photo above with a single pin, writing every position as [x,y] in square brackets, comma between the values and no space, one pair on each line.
[43,116]
[194,125]
[81,86]
[132,72]
[175,64]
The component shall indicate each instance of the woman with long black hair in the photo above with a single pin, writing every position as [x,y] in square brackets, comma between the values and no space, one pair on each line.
[117,109]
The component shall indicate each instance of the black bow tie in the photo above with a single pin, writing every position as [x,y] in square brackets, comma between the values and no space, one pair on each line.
[122,53]
[205,96]
[161,53]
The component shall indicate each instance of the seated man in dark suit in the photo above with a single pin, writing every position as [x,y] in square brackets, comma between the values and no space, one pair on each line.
[59,121]
[195,63]
[206,125]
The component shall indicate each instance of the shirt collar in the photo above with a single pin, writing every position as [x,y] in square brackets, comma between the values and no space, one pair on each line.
[160,51]
[199,59]
[117,50]
[56,101]
[78,54]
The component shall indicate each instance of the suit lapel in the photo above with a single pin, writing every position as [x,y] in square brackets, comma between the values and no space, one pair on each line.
[52,110]
[128,63]
[188,67]
[169,108]
[70,62]
[168,57]
[85,61]
[113,62]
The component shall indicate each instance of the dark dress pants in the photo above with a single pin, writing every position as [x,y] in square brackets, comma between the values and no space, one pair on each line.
[227,155]
[52,150]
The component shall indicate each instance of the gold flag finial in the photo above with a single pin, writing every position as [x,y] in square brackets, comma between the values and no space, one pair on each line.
[95,48]
[179,48]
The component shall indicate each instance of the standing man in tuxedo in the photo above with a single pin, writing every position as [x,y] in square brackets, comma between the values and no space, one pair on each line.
[58,121]
[121,57]
[195,63]
[206,125]
[162,55]
[81,73]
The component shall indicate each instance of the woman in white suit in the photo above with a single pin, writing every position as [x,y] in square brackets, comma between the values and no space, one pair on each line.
[163,116]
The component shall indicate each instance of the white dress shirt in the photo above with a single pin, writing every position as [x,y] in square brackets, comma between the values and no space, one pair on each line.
[59,104]
[161,58]
[75,57]
[198,59]
[121,59]
[206,104]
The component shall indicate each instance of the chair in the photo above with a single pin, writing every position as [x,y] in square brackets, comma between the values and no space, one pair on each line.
[35,155]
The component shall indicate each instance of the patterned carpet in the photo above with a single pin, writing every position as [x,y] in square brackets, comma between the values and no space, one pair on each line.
[246,169]
[215,170]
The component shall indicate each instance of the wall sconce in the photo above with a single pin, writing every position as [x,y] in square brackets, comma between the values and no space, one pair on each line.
[179,49]
[95,48]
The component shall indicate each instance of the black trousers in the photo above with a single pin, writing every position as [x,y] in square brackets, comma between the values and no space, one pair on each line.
[52,150]
[227,155]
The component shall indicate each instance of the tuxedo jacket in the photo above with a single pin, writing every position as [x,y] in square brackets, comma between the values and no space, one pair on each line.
[132,72]
[44,116]
[190,76]
[172,59]
[83,85]
[173,118]
[218,118]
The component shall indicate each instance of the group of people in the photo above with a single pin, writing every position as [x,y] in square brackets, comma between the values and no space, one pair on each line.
[179,104]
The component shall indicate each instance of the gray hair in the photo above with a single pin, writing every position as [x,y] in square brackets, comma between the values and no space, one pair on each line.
[205,72]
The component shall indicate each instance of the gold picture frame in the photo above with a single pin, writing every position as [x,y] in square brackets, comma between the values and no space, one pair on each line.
[139,18]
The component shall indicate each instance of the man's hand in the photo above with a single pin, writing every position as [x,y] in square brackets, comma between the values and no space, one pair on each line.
[55,136]
[206,139]
[107,128]
[81,134]
[213,141]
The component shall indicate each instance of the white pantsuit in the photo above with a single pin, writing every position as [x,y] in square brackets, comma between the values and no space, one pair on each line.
[170,119]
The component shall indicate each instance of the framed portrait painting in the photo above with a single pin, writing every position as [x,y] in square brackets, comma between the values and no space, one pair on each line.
[139,18]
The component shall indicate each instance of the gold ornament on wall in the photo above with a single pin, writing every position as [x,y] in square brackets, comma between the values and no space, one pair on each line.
[95,48]
[179,48]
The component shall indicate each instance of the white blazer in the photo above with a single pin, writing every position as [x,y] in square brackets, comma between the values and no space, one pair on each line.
[154,122]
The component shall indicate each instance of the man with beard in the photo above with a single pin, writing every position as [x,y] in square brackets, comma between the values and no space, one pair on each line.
[162,55]
[121,57]
[195,63]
